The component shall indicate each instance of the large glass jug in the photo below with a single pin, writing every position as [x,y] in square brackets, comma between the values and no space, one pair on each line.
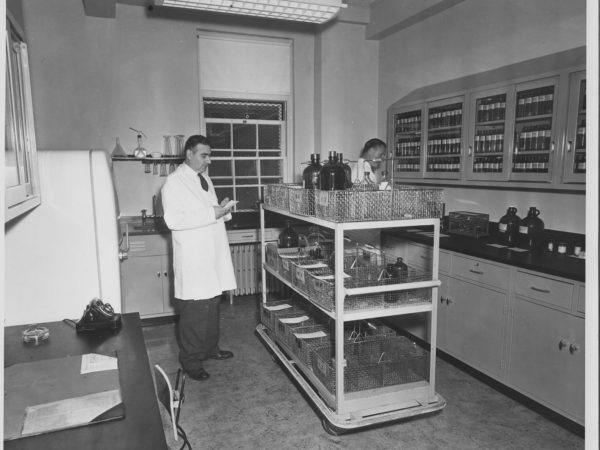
[508,227]
[531,229]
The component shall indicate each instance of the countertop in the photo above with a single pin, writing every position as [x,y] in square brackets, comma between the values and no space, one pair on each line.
[537,260]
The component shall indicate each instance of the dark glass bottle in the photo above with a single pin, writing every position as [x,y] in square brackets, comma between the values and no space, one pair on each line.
[311,174]
[508,227]
[288,237]
[400,270]
[333,175]
[531,229]
[347,171]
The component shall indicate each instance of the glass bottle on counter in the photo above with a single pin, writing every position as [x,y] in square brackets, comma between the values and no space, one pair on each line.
[333,175]
[508,226]
[347,170]
[531,229]
[311,174]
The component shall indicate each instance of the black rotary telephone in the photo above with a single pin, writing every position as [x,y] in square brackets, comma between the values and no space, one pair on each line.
[98,316]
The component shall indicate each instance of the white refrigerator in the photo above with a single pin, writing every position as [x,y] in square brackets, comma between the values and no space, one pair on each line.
[65,252]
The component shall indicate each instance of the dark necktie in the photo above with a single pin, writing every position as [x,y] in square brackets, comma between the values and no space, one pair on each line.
[203,182]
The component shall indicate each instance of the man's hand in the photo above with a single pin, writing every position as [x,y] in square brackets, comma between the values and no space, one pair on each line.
[224,202]
[220,211]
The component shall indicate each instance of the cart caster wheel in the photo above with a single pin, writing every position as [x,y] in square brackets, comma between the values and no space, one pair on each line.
[331,429]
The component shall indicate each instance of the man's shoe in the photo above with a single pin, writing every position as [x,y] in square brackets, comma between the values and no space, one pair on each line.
[198,374]
[221,354]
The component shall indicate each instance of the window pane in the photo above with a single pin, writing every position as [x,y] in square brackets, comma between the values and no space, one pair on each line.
[269,153]
[220,154]
[240,154]
[222,181]
[240,181]
[244,136]
[247,197]
[269,137]
[243,109]
[270,167]
[220,168]
[245,168]
[223,192]
[219,135]
[271,180]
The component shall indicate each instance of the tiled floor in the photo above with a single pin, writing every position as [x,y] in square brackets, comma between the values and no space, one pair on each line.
[249,402]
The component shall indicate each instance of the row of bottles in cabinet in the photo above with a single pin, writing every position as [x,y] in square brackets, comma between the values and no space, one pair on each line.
[533,138]
[408,123]
[451,164]
[409,147]
[489,141]
[535,102]
[409,165]
[580,136]
[447,116]
[487,164]
[490,110]
[530,164]
[444,144]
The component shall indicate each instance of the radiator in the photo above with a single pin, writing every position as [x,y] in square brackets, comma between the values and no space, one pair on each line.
[246,266]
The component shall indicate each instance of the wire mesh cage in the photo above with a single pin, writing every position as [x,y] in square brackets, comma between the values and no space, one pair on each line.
[271,311]
[302,201]
[277,195]
[307,339]
[410,202]
[353,205]
[373,363]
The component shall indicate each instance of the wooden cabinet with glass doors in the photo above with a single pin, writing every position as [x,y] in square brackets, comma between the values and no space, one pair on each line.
[408,139]
[444,138]
[488,142]
[575,154]
[535,131]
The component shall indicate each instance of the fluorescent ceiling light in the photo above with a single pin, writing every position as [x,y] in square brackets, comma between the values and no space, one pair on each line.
[314,11]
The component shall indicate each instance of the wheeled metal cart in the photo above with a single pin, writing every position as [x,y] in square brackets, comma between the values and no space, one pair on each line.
[351,385]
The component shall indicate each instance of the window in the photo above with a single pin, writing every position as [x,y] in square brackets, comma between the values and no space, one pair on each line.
[20,168]
[248,147]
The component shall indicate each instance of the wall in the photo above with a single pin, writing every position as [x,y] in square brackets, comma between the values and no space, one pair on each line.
[346,89]
[93,78]
[475,36]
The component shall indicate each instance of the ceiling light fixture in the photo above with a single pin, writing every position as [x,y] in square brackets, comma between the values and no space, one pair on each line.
[313,11]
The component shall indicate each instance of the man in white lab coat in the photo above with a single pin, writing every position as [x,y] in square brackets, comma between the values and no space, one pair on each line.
[201,257]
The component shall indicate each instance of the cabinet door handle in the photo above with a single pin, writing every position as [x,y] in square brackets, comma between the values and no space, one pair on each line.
[552,145]
[442,299]
[449,300]
[478,272]
[573,348]
[562,344]
[470,150]
[166,274]
[569,146]
[545,291]
[158,274]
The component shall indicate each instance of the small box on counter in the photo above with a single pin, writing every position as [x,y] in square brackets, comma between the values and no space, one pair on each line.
[466,223]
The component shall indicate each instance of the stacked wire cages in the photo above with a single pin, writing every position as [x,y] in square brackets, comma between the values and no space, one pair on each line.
[375,355]
[356,204]
[364,266]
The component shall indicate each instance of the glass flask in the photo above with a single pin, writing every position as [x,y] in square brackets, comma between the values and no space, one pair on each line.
[179,144]
[167,145]
[118,150]
[288,237]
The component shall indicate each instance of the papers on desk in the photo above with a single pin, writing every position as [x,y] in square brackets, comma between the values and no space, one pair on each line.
[56,394]
[93,362]
[69,412]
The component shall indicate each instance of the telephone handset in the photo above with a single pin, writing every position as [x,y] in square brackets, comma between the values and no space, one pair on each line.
[98,316]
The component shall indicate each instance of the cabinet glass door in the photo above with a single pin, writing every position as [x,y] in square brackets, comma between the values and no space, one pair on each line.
[444,139]
[407,139]
[534,131]
[488,136]
[574,162]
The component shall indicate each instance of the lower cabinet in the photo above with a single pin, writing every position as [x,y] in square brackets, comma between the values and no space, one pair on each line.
[472,325]
[147,276]
[547,357]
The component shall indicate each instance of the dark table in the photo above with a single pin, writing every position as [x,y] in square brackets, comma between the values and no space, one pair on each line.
[142,426]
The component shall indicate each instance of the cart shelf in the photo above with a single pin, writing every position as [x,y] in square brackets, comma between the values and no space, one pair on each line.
[345,402]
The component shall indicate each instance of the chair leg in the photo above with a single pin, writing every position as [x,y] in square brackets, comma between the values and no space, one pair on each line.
[183,436]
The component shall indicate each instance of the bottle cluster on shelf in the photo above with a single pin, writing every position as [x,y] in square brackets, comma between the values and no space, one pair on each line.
[409,165]
[491,108]
[487,164]
[408,146]
[535,102]
[446,116]
[451,164]
[534,138]
[408,122]
[580,137]
[579,163]
[489,140]
[530,163]
[444,144]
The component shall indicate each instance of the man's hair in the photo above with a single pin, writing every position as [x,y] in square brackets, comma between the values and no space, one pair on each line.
[371,143]
[194,140]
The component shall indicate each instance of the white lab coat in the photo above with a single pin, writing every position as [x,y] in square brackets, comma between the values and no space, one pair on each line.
[201,257]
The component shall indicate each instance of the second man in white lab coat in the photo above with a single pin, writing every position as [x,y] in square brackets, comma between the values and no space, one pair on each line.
[201,257]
